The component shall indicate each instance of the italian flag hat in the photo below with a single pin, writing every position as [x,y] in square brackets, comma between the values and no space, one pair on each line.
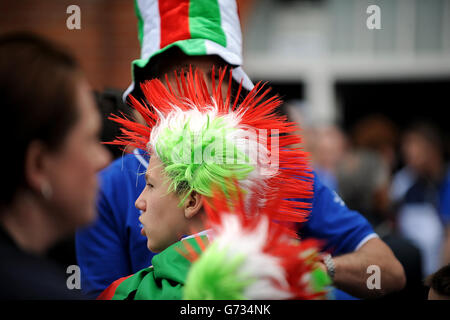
[197,27]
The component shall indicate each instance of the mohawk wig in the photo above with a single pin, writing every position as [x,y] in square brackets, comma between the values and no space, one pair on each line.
[204,139]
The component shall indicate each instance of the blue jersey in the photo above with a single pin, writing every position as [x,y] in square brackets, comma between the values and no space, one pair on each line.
[444,199]
[408,189]
[113,246]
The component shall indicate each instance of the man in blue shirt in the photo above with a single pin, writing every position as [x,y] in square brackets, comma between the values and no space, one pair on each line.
[421,191]
[113,247]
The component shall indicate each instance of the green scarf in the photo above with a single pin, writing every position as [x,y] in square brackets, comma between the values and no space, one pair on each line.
[164,280]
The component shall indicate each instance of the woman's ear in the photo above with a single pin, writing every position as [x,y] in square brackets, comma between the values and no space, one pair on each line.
[35,165]
[193,205]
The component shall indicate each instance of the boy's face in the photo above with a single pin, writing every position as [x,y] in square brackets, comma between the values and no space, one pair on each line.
[164,222]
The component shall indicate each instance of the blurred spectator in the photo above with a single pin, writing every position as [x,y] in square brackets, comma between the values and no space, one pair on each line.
[108,101]
[421,191]
[326,143]
[363,181]
[49,185]
[378,133]
[439,284]
[327,148]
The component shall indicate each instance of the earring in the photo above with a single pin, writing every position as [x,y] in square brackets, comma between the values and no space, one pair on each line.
[46,190]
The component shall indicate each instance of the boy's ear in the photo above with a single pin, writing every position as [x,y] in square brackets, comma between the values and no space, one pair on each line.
[193,204]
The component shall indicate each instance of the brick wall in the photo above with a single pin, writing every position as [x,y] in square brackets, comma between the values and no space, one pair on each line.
[105,45]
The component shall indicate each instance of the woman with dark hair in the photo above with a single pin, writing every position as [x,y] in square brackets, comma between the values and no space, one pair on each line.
[52,153]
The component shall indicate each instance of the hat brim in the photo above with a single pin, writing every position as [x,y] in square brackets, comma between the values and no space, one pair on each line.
[195,47]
